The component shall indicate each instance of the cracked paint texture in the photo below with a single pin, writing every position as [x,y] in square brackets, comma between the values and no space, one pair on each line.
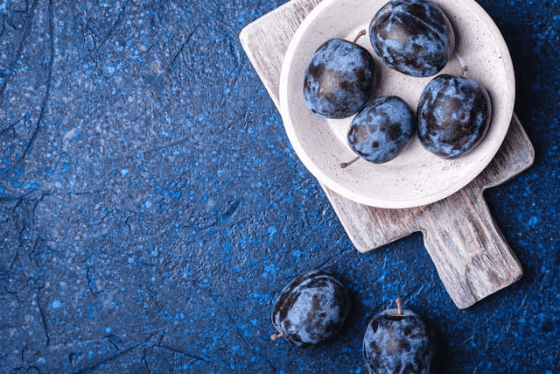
[151,206]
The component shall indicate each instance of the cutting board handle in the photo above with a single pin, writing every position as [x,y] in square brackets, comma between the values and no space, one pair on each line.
[468,249]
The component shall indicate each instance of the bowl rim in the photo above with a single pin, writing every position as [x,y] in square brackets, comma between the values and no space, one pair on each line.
[373,200]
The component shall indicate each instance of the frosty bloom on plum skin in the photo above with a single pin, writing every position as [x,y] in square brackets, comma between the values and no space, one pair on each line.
[397,341]
[339,79]
[382,129]
[454,115]
[310,309]
[413,37]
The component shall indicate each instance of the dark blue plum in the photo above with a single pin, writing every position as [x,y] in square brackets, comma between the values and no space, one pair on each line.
[339,79]
[397,342]
[413,37]
[453,115]
[310,309]
[382,129]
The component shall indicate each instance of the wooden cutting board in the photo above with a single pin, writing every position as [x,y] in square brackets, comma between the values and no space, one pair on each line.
[470,253]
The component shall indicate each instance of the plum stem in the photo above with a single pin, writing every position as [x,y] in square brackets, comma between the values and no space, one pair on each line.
[463,71]
[360,34]
[399,307]
[277,336]
[346,164]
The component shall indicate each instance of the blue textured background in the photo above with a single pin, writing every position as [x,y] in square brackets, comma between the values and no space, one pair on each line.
[151,207]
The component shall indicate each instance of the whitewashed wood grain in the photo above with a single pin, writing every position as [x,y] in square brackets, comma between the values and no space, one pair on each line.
[468,249]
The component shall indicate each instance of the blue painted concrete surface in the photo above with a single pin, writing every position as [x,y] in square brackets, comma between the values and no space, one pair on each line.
[151,206]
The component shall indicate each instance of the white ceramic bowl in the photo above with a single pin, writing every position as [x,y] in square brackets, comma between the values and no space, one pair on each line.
[415,177]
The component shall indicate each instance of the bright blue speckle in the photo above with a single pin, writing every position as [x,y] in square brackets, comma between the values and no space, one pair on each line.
[533,221]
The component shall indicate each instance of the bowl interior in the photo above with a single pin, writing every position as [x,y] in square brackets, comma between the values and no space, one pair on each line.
[415,177]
